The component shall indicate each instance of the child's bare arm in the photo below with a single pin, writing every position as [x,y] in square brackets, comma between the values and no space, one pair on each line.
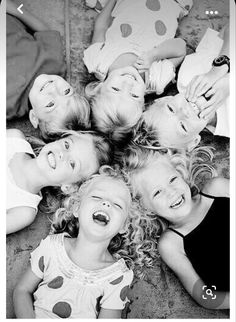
[109,314]
[173,49]
[102,22]
[174,256]
[18,218]
[27,18]
[218,187]
[23,295]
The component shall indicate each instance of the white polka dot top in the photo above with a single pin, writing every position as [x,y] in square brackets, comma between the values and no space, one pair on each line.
[68,291]
[137,26]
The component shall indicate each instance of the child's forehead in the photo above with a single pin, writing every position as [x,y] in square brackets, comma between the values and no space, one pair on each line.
[105,183]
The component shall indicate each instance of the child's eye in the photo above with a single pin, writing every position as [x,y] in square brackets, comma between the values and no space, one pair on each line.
[67,145]
[183,127]
[72,164]
[115,89]
[96,197]
[170,108]
[134,95]
[67,91]
[117,205]
[51,104]
[173,179]
[157,193]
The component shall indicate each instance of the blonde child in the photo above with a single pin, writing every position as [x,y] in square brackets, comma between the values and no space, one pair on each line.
[56,106]
[62,163]
[202,102]
[139,34]
[195,244]
[35,71]
[80,271]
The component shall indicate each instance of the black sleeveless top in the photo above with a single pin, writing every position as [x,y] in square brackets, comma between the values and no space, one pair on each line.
[208,245]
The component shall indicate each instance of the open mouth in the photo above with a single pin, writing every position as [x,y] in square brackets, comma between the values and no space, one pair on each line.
[45,85]
[101,218]
[51,160]
[178,202]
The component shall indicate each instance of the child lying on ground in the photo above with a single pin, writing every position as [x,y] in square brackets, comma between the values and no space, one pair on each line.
[62,163]
[198,224]
[139,34]
[55,104]
[176,121]
[81,270]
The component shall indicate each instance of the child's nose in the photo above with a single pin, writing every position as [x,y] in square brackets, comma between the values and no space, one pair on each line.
[106,203]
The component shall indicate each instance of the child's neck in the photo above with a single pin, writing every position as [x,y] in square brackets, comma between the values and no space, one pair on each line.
[196,215]
[90,254]
[35,181]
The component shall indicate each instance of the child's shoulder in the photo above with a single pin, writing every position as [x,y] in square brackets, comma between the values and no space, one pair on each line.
[169,243]
[217,187]
[15,133]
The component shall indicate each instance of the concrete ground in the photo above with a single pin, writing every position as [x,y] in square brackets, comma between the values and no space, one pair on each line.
[160,294]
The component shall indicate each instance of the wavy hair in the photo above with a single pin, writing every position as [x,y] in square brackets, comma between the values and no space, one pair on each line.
[112,119]
[192,166]
[77,119]
[137,245]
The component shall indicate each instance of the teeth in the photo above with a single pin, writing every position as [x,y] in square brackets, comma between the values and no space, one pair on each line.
[45,85]
[51,160]
[101,218]
[178,202]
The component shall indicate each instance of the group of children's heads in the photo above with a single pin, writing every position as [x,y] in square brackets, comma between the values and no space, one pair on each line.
[117,111]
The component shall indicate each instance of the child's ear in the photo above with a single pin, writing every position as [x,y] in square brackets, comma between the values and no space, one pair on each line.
[92,89]
[33,119]
[69,188]
[194,143]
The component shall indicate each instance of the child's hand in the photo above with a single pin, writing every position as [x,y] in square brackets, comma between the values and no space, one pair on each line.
[218,94]
[12,8]
[200,84]
[144,62]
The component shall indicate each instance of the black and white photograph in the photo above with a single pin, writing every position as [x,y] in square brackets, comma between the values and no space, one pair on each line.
[135,95]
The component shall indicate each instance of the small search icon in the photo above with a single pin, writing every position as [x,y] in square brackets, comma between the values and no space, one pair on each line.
[209,292]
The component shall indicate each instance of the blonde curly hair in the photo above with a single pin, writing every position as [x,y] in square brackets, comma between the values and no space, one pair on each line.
[193,167]
[137,245]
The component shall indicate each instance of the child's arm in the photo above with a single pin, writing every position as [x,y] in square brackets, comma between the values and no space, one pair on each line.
[102,22]
[201,84]
[172,49]
[109,314]
[27,18]
[172,253]
[218,187]
[18,218]
[22,296]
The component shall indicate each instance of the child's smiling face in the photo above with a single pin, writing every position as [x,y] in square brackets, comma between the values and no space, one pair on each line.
[52,99]
[67,160]
[104,208]
[176,121]
[126,87]
[164,191]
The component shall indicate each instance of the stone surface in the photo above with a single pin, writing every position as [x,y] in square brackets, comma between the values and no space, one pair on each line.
[160,294]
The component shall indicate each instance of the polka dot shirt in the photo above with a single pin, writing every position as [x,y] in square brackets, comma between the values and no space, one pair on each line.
[67,291]
[137,26]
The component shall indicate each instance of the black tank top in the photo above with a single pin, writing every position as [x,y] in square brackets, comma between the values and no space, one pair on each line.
[208,245]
